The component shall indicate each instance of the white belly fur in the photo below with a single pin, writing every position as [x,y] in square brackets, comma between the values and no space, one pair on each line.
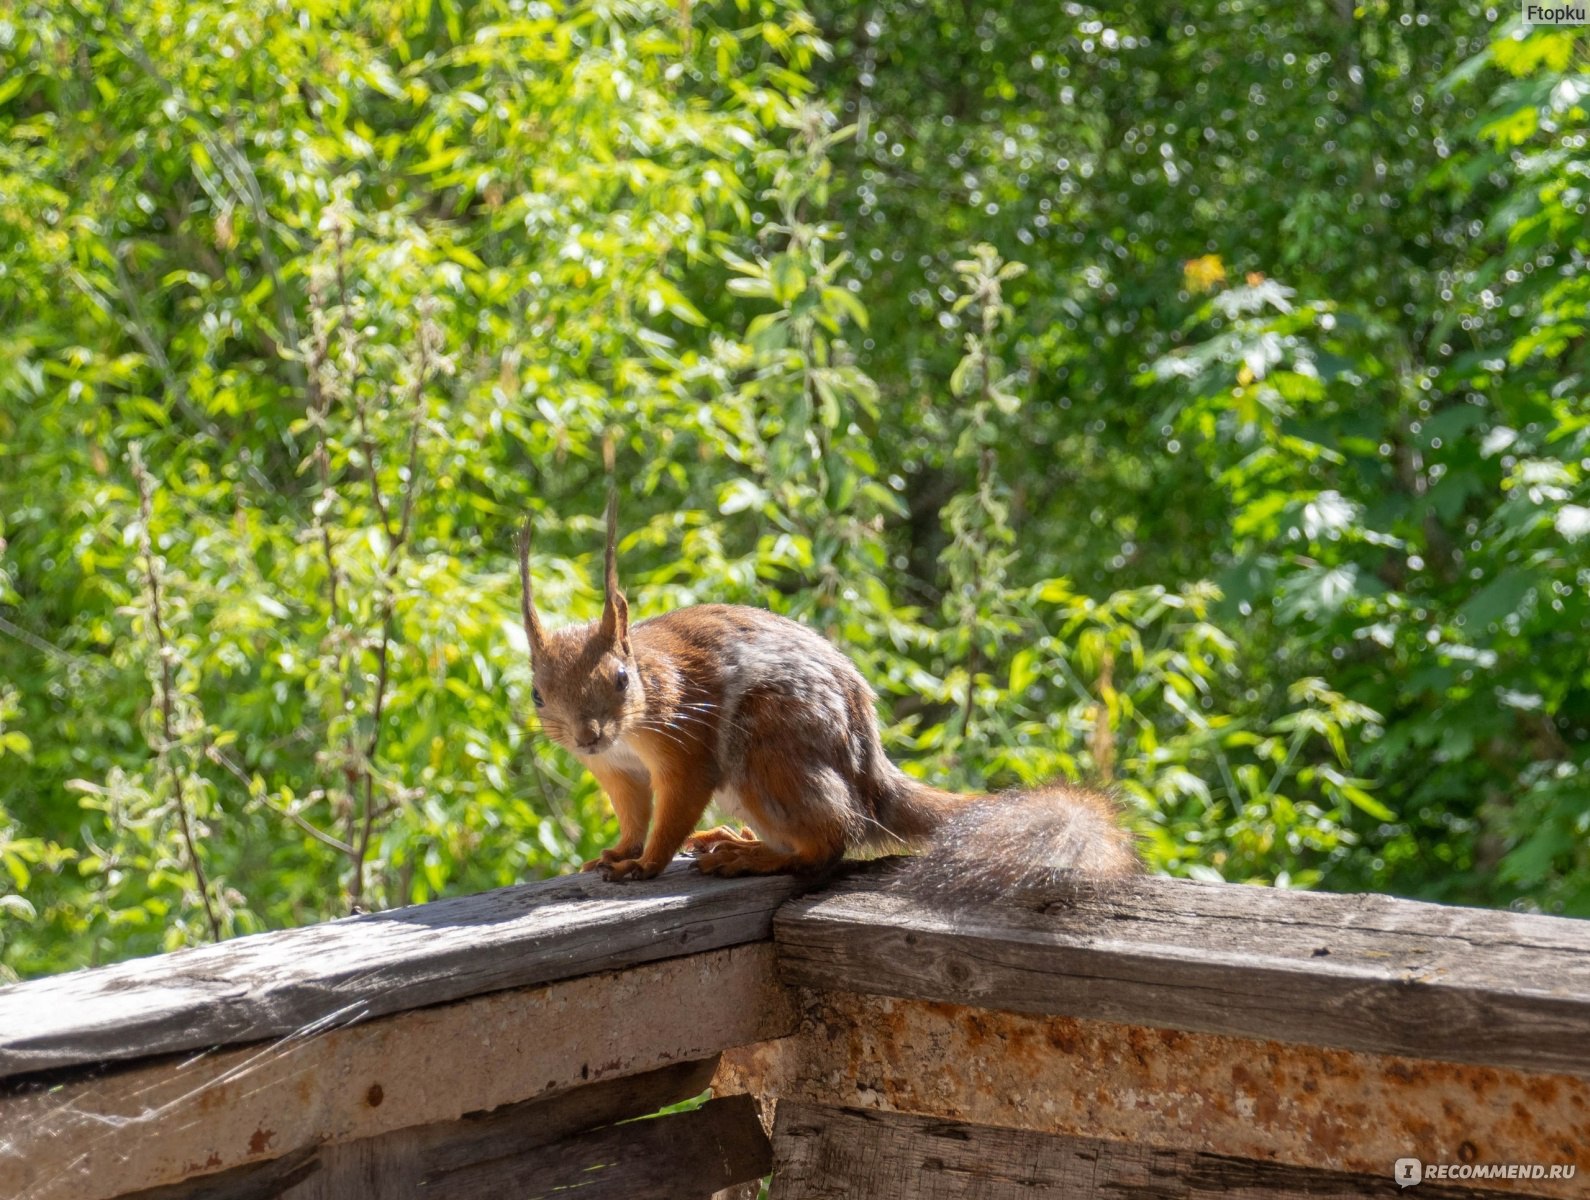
[730,805]
[621,756]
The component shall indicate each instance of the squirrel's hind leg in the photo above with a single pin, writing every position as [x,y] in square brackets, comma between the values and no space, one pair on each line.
[801,818]
[728,859]
[708,838]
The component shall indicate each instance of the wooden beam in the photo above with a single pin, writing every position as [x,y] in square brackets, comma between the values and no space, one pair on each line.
[259,1181]
[835,1154]
[408,1164]
[152,1125]
[1309,1106]
[686,1156]
[483,1152]
[324,976]
[1356,972]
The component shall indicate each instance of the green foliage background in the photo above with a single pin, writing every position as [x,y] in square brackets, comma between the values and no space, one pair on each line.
[1184,398]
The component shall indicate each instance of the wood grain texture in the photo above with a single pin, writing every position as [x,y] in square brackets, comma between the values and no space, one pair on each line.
[331,975]
[406,1163]
[685,1156]
[836,1154]
[156,1124]
[1358,972]
[260,1181]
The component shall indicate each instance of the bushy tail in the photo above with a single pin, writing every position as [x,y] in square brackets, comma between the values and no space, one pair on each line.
[1014,841]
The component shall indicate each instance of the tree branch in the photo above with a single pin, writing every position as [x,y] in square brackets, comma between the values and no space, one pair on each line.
[167,691]
[224,760]
[426,362]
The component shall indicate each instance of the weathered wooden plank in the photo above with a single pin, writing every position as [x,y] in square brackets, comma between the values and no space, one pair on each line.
[398,1165]
[271,985]
[1358,972]
[1309,1106]
[259,1181]
[404,1164]
[685,1156]
[836,1154]
[521,1127]
[151,1125]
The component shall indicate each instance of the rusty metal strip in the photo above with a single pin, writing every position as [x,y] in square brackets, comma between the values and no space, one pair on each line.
[1272,1101]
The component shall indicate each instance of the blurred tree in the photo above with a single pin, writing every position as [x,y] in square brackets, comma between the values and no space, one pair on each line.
[1382,478]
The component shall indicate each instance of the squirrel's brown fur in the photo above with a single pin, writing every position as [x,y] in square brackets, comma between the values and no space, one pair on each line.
[757,712]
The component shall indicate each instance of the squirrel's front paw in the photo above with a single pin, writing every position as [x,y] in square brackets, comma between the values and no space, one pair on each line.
[631,868]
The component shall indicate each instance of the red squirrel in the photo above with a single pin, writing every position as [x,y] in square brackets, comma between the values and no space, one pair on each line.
[737,705]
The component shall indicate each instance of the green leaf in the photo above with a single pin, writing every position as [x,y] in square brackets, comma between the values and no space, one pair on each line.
[1502,597]
[1023,671]
[1315,593]
[787,279]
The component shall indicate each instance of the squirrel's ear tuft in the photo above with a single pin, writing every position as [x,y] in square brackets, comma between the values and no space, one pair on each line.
[615,622]
[615,609]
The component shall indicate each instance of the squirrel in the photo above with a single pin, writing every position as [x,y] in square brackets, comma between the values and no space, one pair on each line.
[756,712]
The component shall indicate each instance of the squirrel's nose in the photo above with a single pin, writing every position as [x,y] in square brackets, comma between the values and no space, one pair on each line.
[590,733]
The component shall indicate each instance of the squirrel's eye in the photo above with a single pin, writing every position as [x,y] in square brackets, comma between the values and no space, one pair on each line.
[535,697]
[621,677]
